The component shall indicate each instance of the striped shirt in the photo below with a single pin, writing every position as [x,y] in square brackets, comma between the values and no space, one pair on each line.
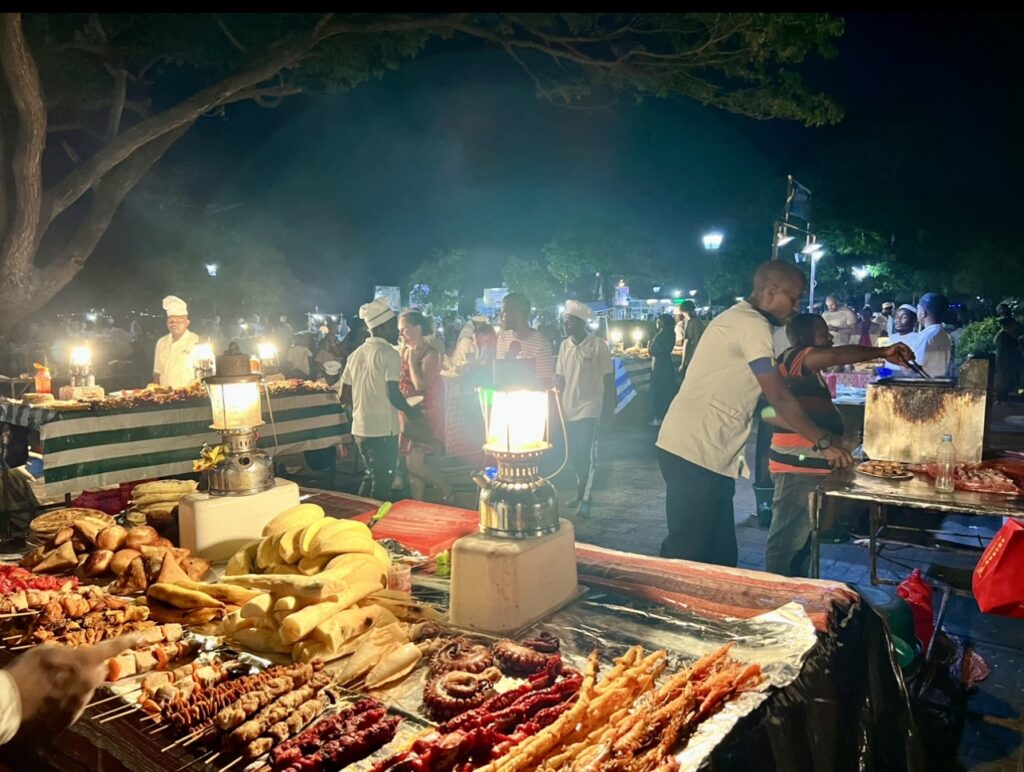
[533,346]
[791,451]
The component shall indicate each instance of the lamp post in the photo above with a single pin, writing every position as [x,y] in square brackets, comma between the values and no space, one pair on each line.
[712,243]
[814,251]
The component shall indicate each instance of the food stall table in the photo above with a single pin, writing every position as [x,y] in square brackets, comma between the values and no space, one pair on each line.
[840,705]
[880,494]
[92,448]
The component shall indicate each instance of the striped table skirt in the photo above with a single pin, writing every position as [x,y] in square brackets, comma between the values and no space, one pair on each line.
[90,449]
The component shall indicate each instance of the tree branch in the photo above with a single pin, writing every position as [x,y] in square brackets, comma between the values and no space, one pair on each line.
[20,242]
[108,196]
[117,107]
[231,38]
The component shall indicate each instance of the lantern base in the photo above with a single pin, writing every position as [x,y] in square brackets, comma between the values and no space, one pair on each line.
[501,585]
[216,527]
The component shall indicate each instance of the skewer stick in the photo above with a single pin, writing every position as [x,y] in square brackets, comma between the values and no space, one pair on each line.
[127,711]
[113,697]
[187,738]
[22,648]
[225,769]
[205,758]
[13,614]
[118,709]
[159,729]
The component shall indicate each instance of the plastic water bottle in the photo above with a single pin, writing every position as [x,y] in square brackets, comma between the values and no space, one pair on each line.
[945,462]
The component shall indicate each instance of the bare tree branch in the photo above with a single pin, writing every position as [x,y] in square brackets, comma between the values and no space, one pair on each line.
[231,38]
[75,158]
[117,104]
[20,242]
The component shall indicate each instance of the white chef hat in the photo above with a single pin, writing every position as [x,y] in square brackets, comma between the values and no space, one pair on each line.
[376,312]
[910,308]
[579,310]
[332,367]
[175,306]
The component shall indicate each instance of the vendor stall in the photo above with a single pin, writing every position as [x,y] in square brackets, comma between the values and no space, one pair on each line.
[831,697]
[93,446]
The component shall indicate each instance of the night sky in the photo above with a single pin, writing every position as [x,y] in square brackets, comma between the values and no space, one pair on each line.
[455,150]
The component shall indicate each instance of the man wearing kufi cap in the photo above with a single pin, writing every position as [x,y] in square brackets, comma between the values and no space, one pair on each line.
[586,382]
[172,362]
[370,385]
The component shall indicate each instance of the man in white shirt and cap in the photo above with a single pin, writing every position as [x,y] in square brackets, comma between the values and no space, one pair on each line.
[467,351]
[172,363]
[370,385]
[586,382]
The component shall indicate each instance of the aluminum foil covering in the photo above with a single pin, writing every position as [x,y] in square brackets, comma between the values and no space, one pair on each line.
[612,623]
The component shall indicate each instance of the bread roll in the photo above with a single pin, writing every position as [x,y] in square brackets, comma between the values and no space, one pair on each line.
[98,563]
[122,559]
[112,538]
[141,535]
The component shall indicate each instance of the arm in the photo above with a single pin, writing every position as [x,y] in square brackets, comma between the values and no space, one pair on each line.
[398,402]
[346,394]
[789,410]
[610,397]
[822,358]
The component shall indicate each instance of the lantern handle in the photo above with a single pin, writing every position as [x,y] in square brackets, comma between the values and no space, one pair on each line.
[565,433]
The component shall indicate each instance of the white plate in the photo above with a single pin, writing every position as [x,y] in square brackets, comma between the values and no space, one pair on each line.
[414,400]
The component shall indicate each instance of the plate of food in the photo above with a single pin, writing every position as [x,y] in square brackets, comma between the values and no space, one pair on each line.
[888,470]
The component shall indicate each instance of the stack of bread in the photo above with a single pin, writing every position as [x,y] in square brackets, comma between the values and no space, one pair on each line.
[93,549]
[43,528]
[156,504]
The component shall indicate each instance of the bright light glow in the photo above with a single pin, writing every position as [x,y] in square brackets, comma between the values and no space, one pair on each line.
[561,309]
[638,335]
[860,273]
[693,293]
[656,289]
[202,352]
[92,316]
[817,255]
[665,301]
[739,298]
[592,324]
[235,405]
[616,336]
[211,269]
[812,246]
[712,240]
[517,421]
[651,301]
[622,282]
[676,293]
[497,328]
[81,356]
[267,351]
[783,240]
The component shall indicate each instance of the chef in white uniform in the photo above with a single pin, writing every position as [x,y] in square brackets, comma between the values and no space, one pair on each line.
[172,363]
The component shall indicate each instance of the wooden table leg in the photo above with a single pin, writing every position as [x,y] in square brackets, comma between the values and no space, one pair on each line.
[815,502]
[873,526]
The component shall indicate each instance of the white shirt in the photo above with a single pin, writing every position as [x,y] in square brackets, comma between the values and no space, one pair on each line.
[466,351]
[710,418]
[932,350]
[173,360]
[583,367]
[901,337]
[10,708]
[368,370]
[533,345]
[846,321]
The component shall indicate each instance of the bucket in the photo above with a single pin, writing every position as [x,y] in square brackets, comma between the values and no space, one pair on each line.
[763,495]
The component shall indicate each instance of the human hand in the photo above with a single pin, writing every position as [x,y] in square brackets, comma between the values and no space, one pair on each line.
[55,683]
[838,458]
[414,411]
[898,352]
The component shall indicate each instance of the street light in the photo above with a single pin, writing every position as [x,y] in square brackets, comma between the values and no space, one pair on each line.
[712,240]
[861,273]
[211,269]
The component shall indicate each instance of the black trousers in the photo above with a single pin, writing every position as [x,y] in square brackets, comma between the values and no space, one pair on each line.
[698,508]
[380,455]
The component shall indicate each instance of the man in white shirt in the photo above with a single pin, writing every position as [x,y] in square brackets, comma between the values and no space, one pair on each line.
[518,341]
[172,362]
[467,351]
[586,382]
[841,321]
[887,318]
[298,356]
[702,439]
[370,385]
[46,689]
[932,346]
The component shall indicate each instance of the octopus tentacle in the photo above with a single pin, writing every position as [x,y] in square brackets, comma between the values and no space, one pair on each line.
[545,643]
[462,655]
[519,659]
[455,692]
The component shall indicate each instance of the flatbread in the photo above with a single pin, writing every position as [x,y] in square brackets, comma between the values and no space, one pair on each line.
[164,487]
[49,522]
[144,502]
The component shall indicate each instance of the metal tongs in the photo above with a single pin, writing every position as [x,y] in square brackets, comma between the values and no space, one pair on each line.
[916,368]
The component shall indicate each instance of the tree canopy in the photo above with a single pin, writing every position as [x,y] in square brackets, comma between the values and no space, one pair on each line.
[95,100]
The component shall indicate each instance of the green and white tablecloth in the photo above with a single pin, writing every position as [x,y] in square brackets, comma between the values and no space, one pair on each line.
[94,448]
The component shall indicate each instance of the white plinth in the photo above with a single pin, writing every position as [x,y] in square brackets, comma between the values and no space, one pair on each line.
[216,527]
[501,585]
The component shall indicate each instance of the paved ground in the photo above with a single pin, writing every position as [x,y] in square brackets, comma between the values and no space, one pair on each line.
[628,514]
